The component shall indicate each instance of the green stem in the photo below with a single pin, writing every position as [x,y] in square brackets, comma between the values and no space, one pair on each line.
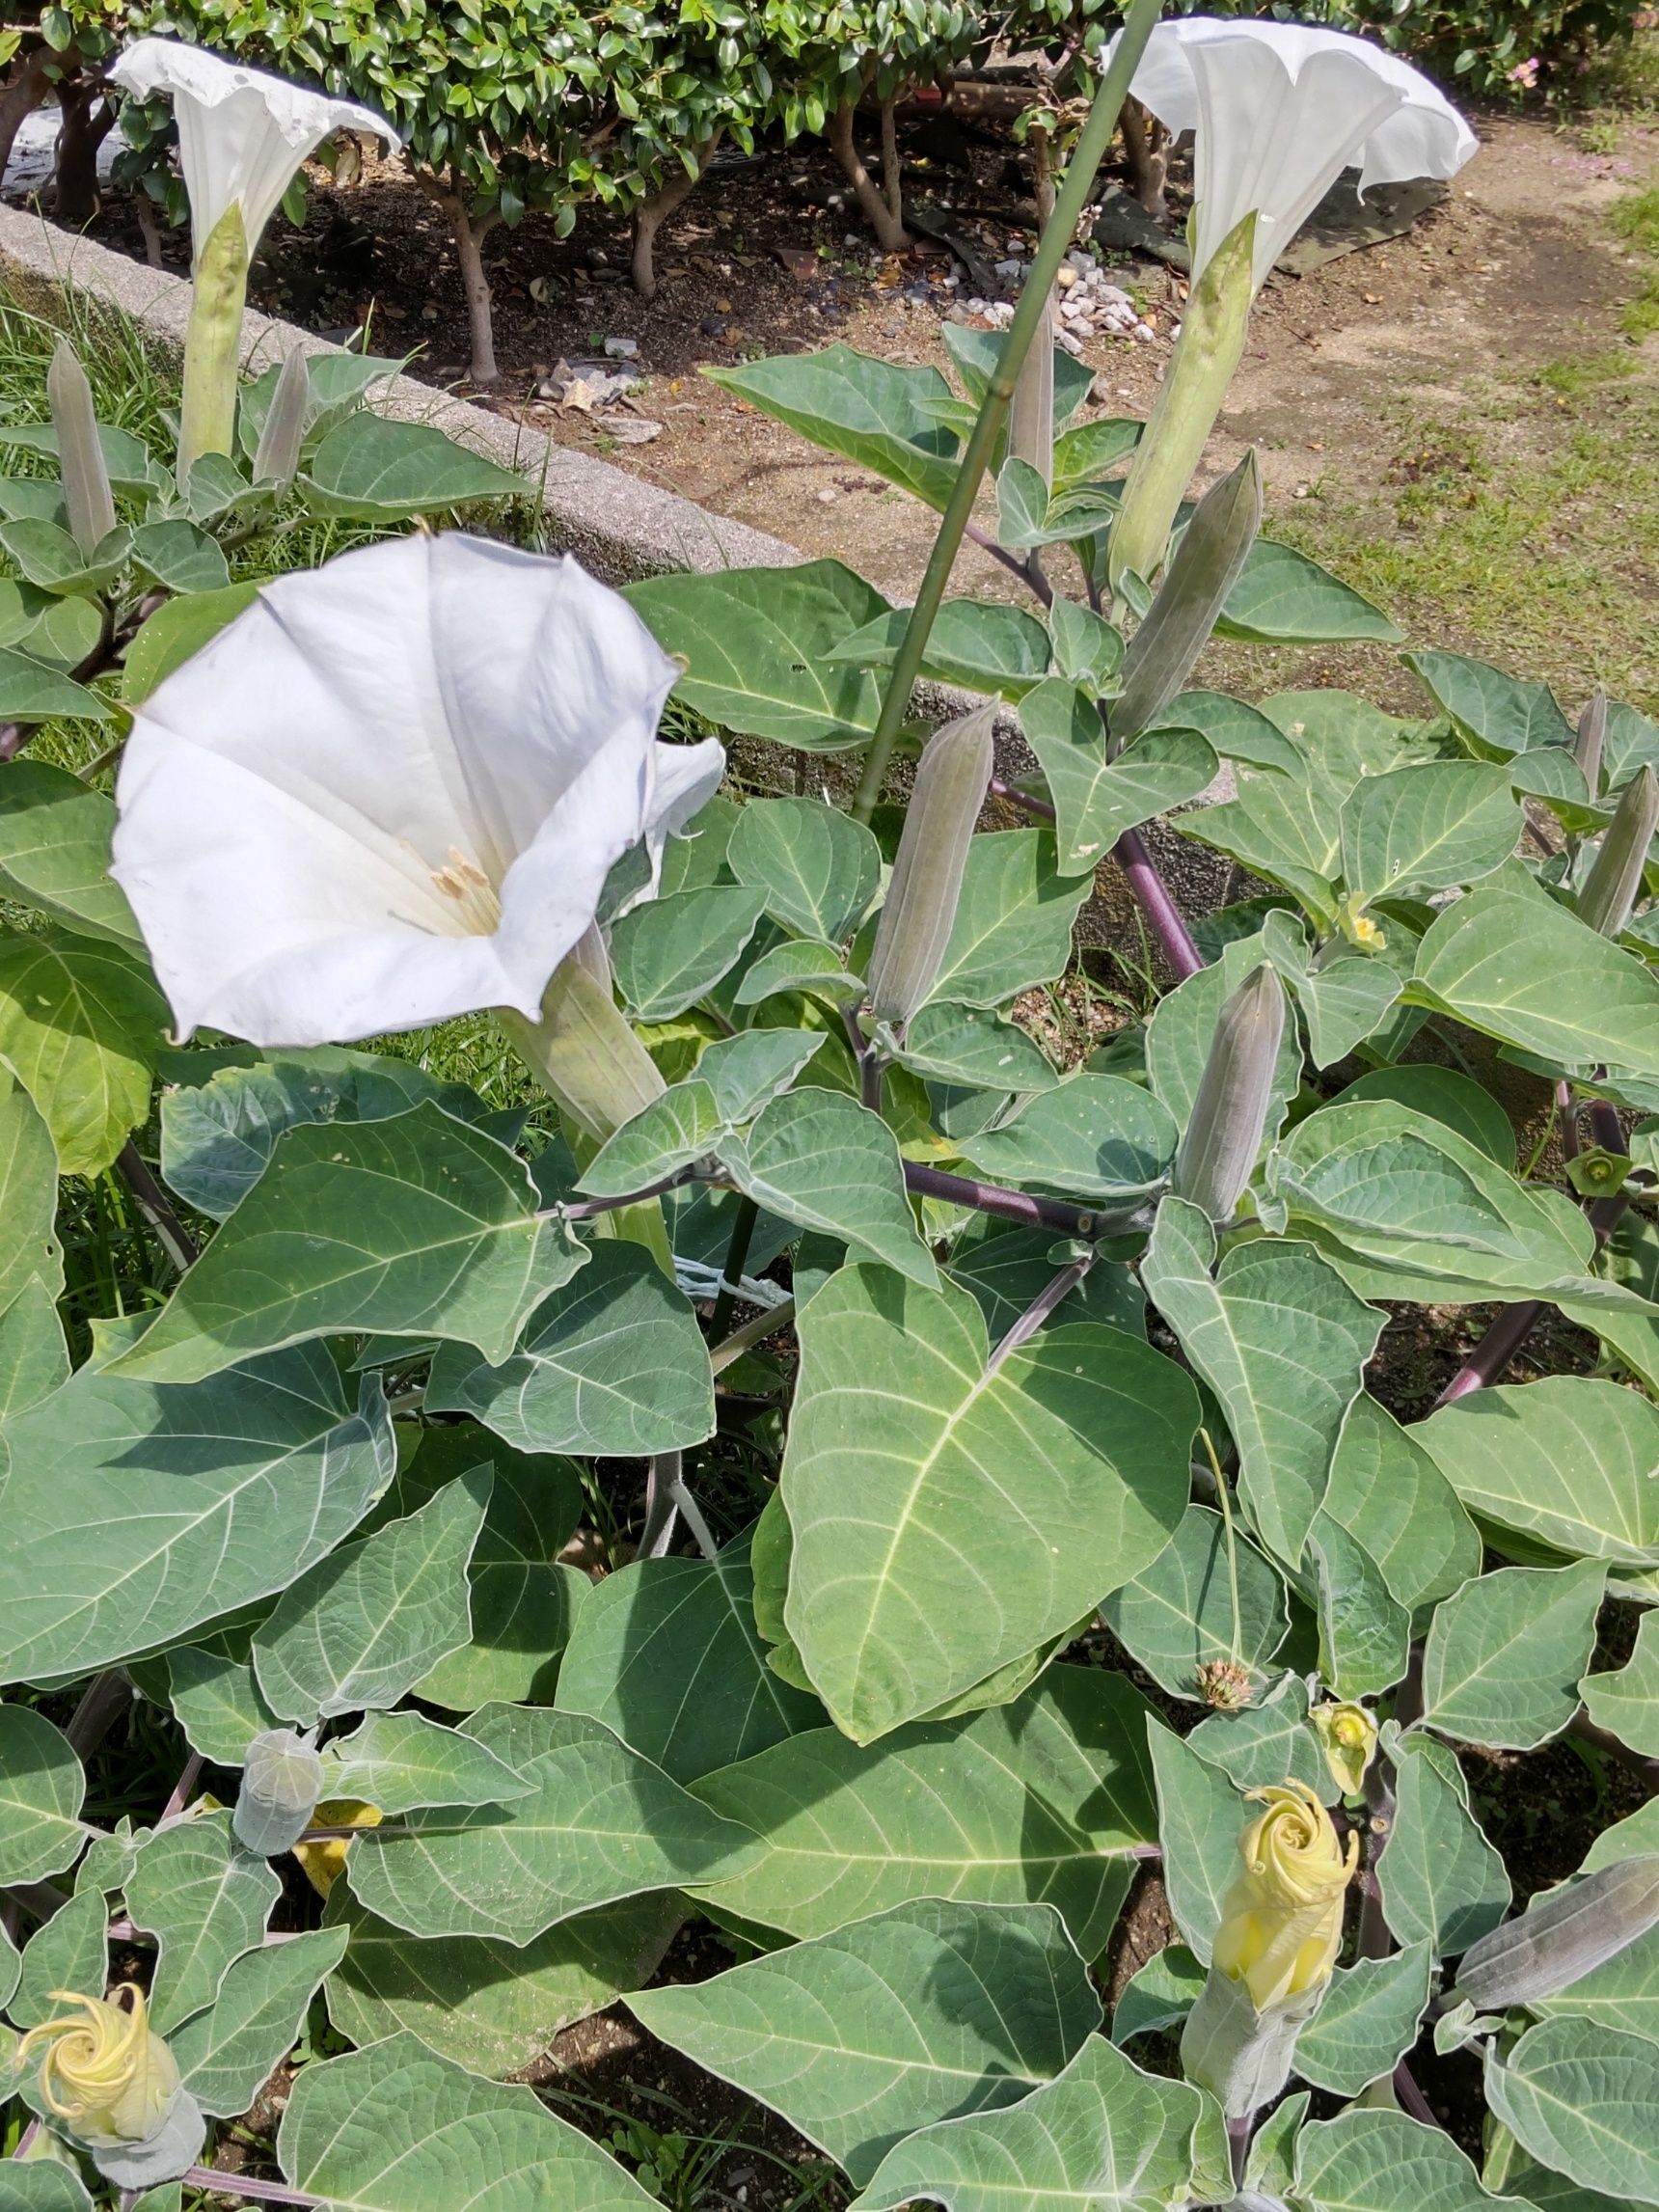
[1028,318]
[1225,1504]
[737,1255]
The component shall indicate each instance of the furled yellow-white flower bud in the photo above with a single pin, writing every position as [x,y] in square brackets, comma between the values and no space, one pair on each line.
[1282,1921]
[324,1861]
[105,2074]
[1347,1736]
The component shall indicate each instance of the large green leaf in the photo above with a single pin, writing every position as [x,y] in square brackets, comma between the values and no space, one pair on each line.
[1282,597]
[69,1951]
[817,867]
[80,1027]
[1365,1633]
[55,836]
[1200,1817]
[43,2184]
[136,1512]
[398,1760]
[974,1048]
[599,1823]
[666,1653]
[1283,1342]
[1177,1616]
[976,642]
[670,951]
[1531,974]
[419,1226]
[30,691]
[487,2005]
[1384,2162]
[360,1629]
[215,1698]
[1097,798]
[1441,1881]
[1426,828]
[868,410]
[1094,1137]
[756,645]
[1581,2099]
[523,1602]
[206,1901]
[396,2129]
[31,1257]
[1266,1743]
[1567,1462]
[1504,1655]
[1466,1108]
[612,1363]
[1044,1802]
[1501,713]
[42,1789]
[923,2013]
[178,631]
[1626,1699]
[1007,1266]
[1367,2022]
[1013,924]
[1101,2138]
[226,2055]
[376,470]
[820,1159]
[1387,1491]
[968,1511]
[1405,1196]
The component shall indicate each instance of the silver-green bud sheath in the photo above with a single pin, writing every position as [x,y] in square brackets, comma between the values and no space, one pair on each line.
[87,501]
[281,1781]
[276,456]
[1032,411]
[1615,878]
[926,886]
[1561,1937]
[1213,548]
[1223,1139]
[1591,736]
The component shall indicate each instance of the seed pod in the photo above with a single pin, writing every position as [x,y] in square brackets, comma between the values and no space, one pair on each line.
[1610,890]
[277,458]
[1591,732]
[1223,1139]
[926,886]
[1163,651]
[281,1781]
[1561,1937]
[87,496]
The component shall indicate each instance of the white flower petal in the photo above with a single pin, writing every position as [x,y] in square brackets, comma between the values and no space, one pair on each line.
[243,133]
[1280,110]
[319,811]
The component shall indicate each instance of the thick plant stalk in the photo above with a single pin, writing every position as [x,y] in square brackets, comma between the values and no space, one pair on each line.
[890,234]
[1162,912]
[1208,351]
[1028,318]
[212,343]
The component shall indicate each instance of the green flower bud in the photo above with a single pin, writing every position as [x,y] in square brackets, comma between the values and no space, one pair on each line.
[1347,1738]
[213,343]
[1213,548]
[926,885]
[277,459]
[281,1781]
[1032,411]
[86,495]
[1223,1139]
[1562,1936]
[1591,734]
[1612,885]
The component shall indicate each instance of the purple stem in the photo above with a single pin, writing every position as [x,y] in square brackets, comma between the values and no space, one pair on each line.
[1160,910]
[1058,1287]
[183,1788]
[1412,2098]
[245,2186]
[1007,1205]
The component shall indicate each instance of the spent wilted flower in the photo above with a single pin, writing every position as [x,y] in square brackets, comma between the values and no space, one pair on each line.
[103,2071]
[1282,1919]
[1347,1736]
[1227,1684]
[392,789]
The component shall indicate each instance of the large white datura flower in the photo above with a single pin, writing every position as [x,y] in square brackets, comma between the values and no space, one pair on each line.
[243,134]
[391,791]
[1279,110]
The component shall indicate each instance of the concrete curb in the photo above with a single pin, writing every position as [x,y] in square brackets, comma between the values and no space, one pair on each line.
[620,527]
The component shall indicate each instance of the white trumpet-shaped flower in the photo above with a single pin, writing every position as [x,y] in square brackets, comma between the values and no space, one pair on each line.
[243,133]
[1279,110]
[391,791]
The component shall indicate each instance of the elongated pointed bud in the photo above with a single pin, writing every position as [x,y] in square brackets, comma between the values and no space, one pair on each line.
[584,1050]
[1561,1937]
[1208,351]
[1591,734]
[281,1781]
[1223,1139]
[1610,888]
[1213,548]
[1032,411]
[926,886]
[87,496]
[213,343]
[277,458]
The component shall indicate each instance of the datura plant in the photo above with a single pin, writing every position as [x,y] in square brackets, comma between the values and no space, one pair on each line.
[810,1446]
